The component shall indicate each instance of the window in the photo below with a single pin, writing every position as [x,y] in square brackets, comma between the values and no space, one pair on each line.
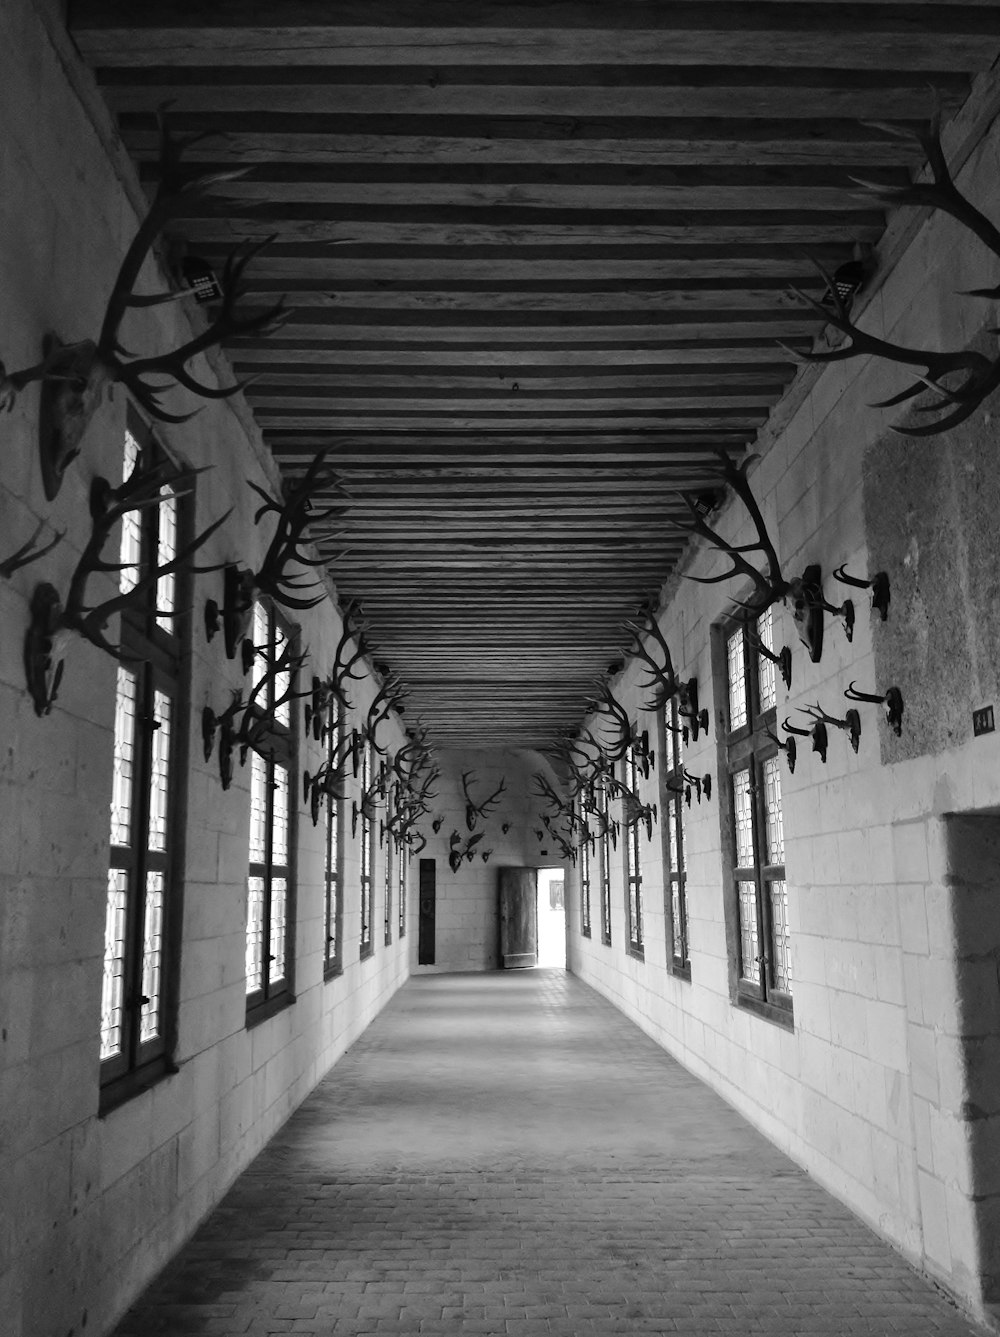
[756,833]
[631,849]
[141,942]
[366,846]
[272,770]
[402,862]
[674,795]
[604,843]
[333,962]
[386,836]
[584,870]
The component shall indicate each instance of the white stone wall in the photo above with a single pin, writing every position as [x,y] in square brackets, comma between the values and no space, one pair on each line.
[871,1091]
[93,1206]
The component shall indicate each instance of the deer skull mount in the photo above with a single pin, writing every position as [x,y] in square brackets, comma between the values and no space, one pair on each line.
[241,586]
[696,720]
[474,810]
[788,746]
[805,592]
[147,485]
[225,726]
[892,700]
[75,376]
[817,733]
[878,584]
[850,724]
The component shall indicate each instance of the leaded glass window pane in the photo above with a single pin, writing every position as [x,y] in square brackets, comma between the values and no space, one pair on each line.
[159,775]
[749,942]
[766,680]
[255,934]
[261,640]
[166,551]
[282,681]
[152,957]
[738,709]
[678,934]
[258,808]
[772,811]
[113,987]
[782,942]
[279,914]
[121,784]
[131,548]
[743,813]
[279,818]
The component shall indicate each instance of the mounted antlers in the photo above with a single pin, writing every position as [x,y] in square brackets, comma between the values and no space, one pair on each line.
[343,663]
[977,376]
[474,810]
[75,376]
[390,696]
[146,486]
[286,587]
[662,678]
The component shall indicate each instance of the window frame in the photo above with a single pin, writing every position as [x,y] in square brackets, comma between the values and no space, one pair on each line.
[632,859]
[602,807]
[584,870]
[282,750]
[333,857]
[386,844]
[748,748]
[159,662]
[402,884]
[675,795]
[366,852]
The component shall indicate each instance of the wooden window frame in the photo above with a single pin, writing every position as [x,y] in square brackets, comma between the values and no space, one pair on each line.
[159,661]
[278,749]
[675,795]
[385,843]
[402,884]
[333,880]
[747,748]
[583,873]
[604,846]
[366,854]
[632,861]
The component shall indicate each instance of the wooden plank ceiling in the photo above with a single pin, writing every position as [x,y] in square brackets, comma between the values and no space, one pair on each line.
[539,256]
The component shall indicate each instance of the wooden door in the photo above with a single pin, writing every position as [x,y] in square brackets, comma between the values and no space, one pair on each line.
[428,908]
[518,917]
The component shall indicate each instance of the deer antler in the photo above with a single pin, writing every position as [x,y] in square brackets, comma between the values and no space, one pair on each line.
[979,375]
[770,584]
[390,696]
[28,553]
[142,489]
[77,374]
[661,678]
[294,513]
[344,664]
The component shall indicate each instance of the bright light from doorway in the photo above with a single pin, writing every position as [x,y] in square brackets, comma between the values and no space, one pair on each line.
[551,917]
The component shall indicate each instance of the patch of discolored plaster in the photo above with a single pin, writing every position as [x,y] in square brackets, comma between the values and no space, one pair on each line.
[932,509]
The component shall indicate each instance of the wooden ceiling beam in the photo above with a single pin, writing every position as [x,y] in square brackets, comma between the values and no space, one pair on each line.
[640,142]
[442,33]
[590,91]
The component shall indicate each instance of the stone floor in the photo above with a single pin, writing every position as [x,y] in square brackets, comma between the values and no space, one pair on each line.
[506,1154]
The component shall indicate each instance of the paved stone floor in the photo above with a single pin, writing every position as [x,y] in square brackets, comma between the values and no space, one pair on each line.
[507,1154]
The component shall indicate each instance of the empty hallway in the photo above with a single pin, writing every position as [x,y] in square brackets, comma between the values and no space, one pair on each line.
[507,1154]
